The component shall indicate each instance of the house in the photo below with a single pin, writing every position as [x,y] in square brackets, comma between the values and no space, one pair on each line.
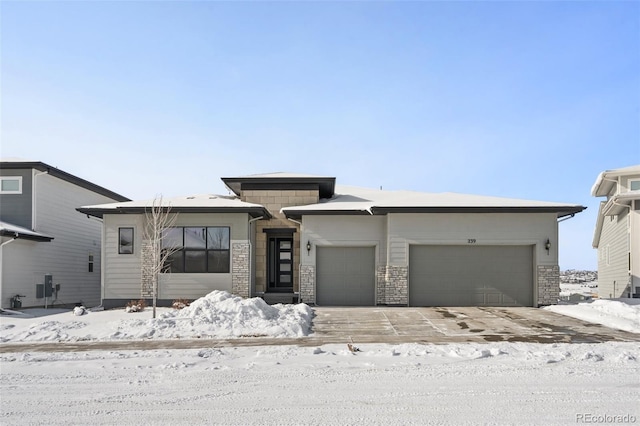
[617,233]
[291,237]
[42,234]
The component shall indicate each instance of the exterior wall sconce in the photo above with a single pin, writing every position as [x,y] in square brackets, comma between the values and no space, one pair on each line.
[547,245]
[308,247]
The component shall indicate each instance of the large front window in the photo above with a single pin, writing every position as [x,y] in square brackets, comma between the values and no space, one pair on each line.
[197,249]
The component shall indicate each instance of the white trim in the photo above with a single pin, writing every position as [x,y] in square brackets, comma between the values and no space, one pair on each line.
[11,178]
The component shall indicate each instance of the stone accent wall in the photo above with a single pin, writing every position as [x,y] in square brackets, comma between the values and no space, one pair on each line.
[381,284]
[146,271]
[274,200]
[548,284]
[396,291]
[307,284]
[240,268]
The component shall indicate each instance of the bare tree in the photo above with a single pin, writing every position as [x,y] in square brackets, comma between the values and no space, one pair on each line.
[158,219]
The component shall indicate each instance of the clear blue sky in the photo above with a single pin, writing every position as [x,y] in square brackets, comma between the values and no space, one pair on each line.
[516,99]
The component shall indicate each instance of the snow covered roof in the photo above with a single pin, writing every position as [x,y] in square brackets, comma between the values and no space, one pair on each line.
[606,180]
[15,231]
[203,203]
[356,200]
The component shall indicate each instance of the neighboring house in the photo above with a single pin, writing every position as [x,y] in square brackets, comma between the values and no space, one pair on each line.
[299,237]
[41,233]
[617,233]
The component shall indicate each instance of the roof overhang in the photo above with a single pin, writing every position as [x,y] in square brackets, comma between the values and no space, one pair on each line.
[383,210]
[559,211]
[18,232]
[68,177]
[618,203]
[254,212]
[607,180]
[599,223]
[325,185]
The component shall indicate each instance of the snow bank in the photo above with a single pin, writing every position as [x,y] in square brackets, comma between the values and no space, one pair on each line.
[218,314]
[623,314]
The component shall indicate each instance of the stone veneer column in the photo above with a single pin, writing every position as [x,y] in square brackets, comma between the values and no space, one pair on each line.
[146,271]
[548,284]
[381,284]
[307,284]
[240,268]
[396,291]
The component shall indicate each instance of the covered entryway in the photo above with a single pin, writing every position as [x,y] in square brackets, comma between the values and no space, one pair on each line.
[471,275]
[345,276]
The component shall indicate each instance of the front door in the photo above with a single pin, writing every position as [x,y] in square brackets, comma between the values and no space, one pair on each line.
[280,267]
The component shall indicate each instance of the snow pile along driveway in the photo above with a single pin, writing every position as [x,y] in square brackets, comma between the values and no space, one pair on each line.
[623,314]
[218,314]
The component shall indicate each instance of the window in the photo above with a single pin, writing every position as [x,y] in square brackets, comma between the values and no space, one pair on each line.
[125,240]
[90,262]
[634,185]
[198,249]
[10,184]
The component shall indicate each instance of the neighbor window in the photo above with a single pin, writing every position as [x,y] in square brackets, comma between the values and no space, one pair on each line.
[90,263]
[634,185]
[197,249]
[10,184]
[125,240]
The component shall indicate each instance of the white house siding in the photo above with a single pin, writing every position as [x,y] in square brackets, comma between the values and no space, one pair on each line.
[635,247]
[613,256]
[66,257]
[122,280]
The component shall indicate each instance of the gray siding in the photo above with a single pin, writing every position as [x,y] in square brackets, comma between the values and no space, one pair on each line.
[16,208]
[122,272]
[613,257]
[473,229]
[335,231]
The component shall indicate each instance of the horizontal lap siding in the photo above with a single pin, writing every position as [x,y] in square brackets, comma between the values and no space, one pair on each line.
[123,275]
[615,235]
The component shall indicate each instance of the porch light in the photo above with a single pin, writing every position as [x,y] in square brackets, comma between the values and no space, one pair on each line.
[308,247]
[547,245]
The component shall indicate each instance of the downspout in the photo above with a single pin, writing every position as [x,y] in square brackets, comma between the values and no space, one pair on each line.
[34,212]
[251,283]
[1,272]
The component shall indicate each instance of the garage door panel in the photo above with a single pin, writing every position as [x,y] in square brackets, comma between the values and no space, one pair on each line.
[345,276]
[471,276]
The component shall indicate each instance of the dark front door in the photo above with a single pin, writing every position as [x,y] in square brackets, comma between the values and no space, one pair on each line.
[280,267]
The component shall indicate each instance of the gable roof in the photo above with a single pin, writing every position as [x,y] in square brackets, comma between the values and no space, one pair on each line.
[280,180]
[203,203]
[10,230]
[604,182]
[366,201]
[19,163]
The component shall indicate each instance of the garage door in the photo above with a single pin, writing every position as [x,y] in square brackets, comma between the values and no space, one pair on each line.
[471,276]
[345,276]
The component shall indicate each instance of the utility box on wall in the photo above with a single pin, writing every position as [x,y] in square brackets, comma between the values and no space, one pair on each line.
[46,289]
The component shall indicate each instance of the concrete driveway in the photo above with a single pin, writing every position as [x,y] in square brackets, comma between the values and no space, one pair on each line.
[464,324]
[390,325]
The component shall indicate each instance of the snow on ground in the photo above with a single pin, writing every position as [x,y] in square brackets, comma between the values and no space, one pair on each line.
[623,314]
[455,384]
[218,314]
